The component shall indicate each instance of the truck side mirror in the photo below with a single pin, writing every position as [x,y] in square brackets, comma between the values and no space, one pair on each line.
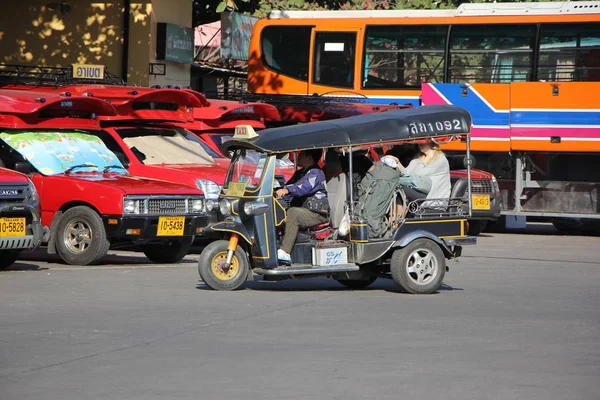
[24,167]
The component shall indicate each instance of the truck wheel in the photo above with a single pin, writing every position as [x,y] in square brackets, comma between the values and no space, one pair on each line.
[81,237]
[8,258]
[419,268]
[476,227]
[213,272]
[170,253]
[357,283]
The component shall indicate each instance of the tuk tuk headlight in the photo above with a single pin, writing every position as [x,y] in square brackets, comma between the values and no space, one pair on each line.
[211,205]
[211,189]
[225,207]
[197,205]
[255,208]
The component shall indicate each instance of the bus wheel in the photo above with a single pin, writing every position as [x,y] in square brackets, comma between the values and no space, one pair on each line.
[214,271]
[419,268]
[8,258]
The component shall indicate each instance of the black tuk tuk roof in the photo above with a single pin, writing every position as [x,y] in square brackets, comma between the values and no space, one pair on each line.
[389,126]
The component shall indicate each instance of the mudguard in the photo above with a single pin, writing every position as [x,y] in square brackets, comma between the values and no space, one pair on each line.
[230,226]
[412,236]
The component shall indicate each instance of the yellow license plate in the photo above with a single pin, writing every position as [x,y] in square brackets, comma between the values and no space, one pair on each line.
[170,226]
[480,202]
[13,227]
[236,189]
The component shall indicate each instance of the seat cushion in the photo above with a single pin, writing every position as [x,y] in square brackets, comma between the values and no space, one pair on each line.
[319,227]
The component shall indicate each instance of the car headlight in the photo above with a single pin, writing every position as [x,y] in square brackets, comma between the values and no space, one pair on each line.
[197,205]
[35,198]
[225,207]
[131,206]
[211,205]
[211,190]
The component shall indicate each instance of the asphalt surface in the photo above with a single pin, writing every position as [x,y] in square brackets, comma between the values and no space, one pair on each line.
[517,318]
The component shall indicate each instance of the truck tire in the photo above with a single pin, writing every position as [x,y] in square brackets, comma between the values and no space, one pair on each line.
[357,283]
[210,267]
[476,227]
[419,268]
[8,258]
[169,253]
[81,237]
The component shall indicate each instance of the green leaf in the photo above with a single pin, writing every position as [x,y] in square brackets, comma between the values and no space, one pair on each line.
[221,7]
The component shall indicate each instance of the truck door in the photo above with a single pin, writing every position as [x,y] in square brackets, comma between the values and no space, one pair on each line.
[333,66]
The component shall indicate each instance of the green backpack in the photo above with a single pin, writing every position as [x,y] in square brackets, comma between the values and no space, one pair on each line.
[375,193]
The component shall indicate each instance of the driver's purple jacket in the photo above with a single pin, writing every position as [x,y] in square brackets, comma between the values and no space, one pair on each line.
[306,183]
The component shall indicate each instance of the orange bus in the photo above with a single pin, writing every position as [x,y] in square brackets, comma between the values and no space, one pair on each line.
[529,74]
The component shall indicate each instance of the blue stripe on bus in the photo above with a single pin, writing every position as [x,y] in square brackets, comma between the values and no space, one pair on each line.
[555,118]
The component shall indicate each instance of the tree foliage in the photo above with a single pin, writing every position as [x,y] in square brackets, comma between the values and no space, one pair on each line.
[209,10]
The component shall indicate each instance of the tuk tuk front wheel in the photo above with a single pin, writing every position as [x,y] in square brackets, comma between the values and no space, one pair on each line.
[213,268]
[419,268]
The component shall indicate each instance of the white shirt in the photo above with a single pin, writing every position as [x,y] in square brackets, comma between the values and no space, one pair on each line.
[437,170]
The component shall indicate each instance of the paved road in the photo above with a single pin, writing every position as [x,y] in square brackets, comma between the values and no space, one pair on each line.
[518,318]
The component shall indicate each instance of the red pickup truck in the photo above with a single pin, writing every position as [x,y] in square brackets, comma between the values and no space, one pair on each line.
[88,199]
[20,225]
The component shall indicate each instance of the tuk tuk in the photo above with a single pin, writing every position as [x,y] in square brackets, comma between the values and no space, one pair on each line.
[412,252]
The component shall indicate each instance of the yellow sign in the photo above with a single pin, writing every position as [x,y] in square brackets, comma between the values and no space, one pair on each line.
[236,189]
[480,202]
[88,71]
[12,227]
[170,226]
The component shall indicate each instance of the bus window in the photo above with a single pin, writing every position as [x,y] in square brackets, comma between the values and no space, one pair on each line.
[403,56]
[491,53]
[569,52]
[286,49]
[333,59]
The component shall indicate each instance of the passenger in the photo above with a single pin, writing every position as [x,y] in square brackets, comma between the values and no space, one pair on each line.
[426,176]
[307,193]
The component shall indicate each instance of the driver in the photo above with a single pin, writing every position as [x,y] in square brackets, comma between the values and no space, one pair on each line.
[306,192]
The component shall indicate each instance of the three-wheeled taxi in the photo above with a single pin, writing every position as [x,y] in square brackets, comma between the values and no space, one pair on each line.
[412,250]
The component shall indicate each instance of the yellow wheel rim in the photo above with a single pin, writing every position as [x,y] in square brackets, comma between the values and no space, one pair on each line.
[218,266]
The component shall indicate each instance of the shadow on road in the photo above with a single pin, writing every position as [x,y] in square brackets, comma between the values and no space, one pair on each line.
[318,285]
[20,266]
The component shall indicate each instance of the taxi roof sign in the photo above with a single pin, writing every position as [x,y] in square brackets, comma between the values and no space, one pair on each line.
[88,71]
[244,132]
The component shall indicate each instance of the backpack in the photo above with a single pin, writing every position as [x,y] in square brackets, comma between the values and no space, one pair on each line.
[375,193]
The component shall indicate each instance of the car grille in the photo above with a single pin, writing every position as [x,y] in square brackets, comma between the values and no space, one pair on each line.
[167,206]
[482,186]
[13,193]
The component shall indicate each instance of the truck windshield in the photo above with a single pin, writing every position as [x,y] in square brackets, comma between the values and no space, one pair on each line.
[55,152]
[166,146]
[246,169]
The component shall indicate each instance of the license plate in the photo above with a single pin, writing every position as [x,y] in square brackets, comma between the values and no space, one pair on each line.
[170,226]
[13,227]
[480,202]
[236,189]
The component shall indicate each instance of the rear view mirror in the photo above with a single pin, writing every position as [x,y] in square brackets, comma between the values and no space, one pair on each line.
[24,167]
[471,160]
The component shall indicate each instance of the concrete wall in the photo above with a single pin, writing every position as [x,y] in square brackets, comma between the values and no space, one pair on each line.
[32,34]
[92,32]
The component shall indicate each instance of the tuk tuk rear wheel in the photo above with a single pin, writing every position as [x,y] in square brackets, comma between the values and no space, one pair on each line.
[214,272]
[419,268]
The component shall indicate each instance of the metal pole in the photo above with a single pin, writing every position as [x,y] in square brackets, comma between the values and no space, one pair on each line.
[469,171]
[351,182]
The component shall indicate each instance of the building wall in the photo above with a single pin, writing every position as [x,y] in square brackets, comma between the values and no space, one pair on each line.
[92,32]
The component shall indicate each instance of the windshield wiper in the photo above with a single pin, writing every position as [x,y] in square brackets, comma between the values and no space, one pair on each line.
[109,167]
[70,169]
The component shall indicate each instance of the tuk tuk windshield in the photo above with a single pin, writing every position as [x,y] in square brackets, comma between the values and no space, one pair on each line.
[246,168]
